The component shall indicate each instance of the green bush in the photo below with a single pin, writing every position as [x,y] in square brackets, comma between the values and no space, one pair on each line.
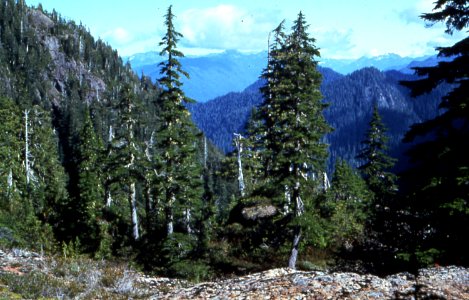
[28,232]
[427,257]
[196,271]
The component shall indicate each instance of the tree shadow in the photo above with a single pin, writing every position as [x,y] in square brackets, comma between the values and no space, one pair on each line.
[419,292]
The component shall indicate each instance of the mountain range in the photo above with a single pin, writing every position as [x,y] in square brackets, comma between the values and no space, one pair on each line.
[350,87]
[218,74]
[350,97]
[210,76]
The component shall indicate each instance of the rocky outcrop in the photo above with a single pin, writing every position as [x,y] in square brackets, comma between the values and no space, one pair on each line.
[258,212]
[63,68]
[39,20]
[432,283]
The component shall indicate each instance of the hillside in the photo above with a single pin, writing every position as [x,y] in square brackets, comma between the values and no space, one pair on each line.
[103,173]
[350,100]
[57,64]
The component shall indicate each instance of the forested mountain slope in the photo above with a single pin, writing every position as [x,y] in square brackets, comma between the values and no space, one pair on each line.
[98,162]
[55,81]
[78,142]
[350,100]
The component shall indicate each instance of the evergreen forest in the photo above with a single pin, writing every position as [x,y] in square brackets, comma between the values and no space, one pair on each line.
[98,161]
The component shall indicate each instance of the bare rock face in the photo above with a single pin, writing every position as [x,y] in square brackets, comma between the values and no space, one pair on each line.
[62,68]
[39,20]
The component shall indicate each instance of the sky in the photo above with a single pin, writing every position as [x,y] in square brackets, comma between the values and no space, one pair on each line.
[343,29]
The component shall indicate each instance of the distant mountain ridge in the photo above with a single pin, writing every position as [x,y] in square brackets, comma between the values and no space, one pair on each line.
[218,74]
[211,75]
[385,62]
[350,98]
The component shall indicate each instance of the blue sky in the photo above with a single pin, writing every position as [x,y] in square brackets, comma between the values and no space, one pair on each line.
[342,28]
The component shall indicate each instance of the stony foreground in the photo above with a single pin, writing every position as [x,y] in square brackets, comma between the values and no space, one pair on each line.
[435,283]
[432,283]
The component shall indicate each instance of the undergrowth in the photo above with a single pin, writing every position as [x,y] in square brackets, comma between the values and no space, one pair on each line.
[73,278]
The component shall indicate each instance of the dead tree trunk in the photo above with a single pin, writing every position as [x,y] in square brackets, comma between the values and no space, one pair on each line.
[239,147]
[294,249]
[299,211]
[133,207]
[27,154]
[108,187]
[169,215]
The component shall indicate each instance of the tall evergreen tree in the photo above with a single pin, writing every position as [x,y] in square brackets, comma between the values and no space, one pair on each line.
[377,163]
[179,170]
[376,170]
[48,185]
[127,155]
[293,115]
[437,182]
[12,179]
[90,184]
[264,134]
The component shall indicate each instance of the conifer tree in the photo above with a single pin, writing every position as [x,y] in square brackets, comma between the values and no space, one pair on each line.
[12,180]
[28,206]
[48,186]
[127,155]
[179,170]
[377,163]
[376,170]
[347,203]
[271,107]
[90,184]
[437,183]
[293,115]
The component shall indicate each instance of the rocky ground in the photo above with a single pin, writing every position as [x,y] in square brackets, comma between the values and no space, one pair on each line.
[433,283]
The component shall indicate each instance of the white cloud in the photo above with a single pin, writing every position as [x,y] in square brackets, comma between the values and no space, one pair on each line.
[333,43]
[118,35]
[425,6]
[224,27]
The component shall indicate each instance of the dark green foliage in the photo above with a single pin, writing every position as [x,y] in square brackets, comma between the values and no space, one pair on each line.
[10,152]
[347,206]
[178,169]
[26,205]
[90,185]
[453,12]
[111,164]
[376,163]
[286,135]
[126,162]
[437,183]
[56,73]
